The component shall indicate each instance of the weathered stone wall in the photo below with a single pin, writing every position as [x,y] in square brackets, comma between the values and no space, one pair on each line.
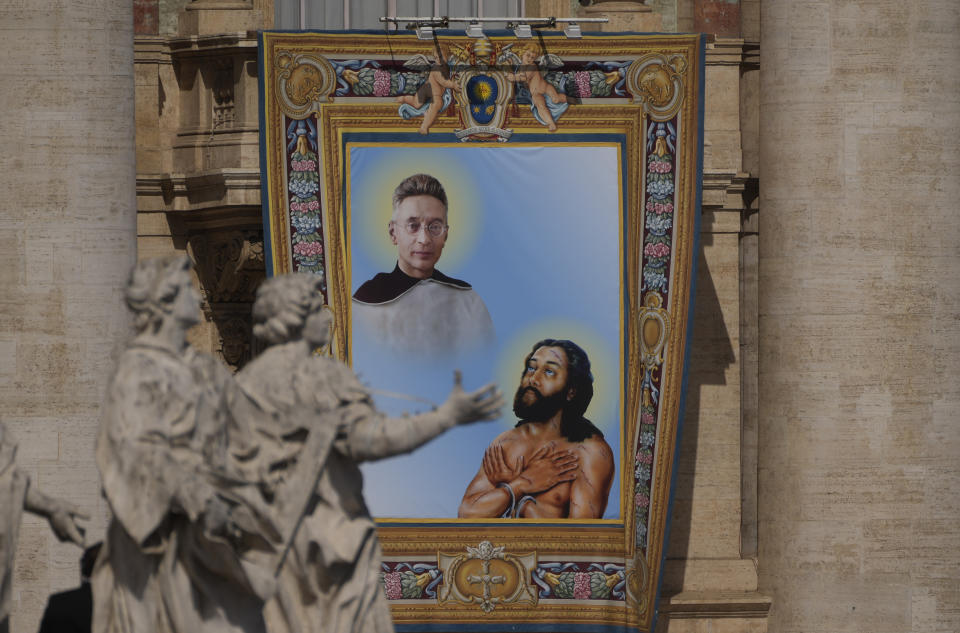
[860,315]
[67,242]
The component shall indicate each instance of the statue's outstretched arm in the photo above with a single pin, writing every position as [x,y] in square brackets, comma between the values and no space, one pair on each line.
[376,436]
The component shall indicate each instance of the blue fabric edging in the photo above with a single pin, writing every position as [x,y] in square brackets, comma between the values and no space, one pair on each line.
[264,190]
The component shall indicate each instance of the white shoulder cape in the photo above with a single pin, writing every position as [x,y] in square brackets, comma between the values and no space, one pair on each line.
[432,318]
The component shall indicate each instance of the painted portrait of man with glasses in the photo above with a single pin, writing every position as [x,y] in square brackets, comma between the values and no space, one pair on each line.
[524,239]
[415,307]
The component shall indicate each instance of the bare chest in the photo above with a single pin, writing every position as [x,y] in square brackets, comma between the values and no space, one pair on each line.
[527,448]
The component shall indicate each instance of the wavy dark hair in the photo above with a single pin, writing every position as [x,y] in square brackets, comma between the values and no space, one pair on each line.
[419,185]
[574,427]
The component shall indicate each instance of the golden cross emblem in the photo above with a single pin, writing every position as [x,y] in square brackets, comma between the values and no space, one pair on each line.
[485,580]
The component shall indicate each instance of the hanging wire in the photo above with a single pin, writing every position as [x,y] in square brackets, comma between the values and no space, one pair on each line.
[402,396]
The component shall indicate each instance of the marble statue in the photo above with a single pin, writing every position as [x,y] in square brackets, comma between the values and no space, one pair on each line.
[237,503]
[16,495]
[189,547]
[315,423]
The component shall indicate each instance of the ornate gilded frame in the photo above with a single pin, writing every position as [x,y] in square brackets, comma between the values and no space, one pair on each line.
[519,575]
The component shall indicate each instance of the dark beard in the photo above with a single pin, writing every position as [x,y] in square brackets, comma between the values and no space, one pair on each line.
[541,409]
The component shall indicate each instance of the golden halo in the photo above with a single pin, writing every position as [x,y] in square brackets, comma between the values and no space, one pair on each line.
[371,195]
[603,410]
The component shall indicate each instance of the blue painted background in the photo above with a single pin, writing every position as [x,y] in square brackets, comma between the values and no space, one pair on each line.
[537,231]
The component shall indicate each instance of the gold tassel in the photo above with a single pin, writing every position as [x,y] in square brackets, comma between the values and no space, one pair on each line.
[660,149]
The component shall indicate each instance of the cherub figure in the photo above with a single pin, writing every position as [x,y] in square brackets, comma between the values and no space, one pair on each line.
[432,96]
[547,103]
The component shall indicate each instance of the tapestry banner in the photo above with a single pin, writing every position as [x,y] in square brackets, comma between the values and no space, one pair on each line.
[525,211]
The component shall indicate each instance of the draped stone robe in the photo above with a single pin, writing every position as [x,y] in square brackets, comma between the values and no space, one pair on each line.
[163,453]
[310,412]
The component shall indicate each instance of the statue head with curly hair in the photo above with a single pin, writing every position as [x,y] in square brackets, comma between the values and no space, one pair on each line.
[289,308]
[160,289]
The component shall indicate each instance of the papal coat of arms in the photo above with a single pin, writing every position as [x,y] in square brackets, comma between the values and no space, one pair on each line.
[484,92]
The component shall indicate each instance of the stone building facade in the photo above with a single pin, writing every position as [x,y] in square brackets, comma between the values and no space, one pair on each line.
[818,488]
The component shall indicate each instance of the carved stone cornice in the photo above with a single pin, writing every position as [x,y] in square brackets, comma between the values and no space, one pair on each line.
[723,190]
[195,46]
[715,604]
[730,51]
[212,189]
[151,49]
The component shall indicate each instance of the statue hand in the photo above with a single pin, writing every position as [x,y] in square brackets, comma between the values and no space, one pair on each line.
[63,521]
[462,407]
[547,468]
[495,466]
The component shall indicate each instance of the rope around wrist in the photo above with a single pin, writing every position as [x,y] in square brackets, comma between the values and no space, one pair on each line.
[510,512]
[524,499]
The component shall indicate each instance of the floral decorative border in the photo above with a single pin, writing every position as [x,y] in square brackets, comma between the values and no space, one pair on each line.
[303,189]
[659,204]
[581,581]
[556,580]
[410,581]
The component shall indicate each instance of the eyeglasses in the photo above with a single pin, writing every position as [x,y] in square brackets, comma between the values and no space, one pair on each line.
[435,228]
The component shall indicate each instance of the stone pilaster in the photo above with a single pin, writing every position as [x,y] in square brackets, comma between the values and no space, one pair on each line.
[67,242]
[859,337]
